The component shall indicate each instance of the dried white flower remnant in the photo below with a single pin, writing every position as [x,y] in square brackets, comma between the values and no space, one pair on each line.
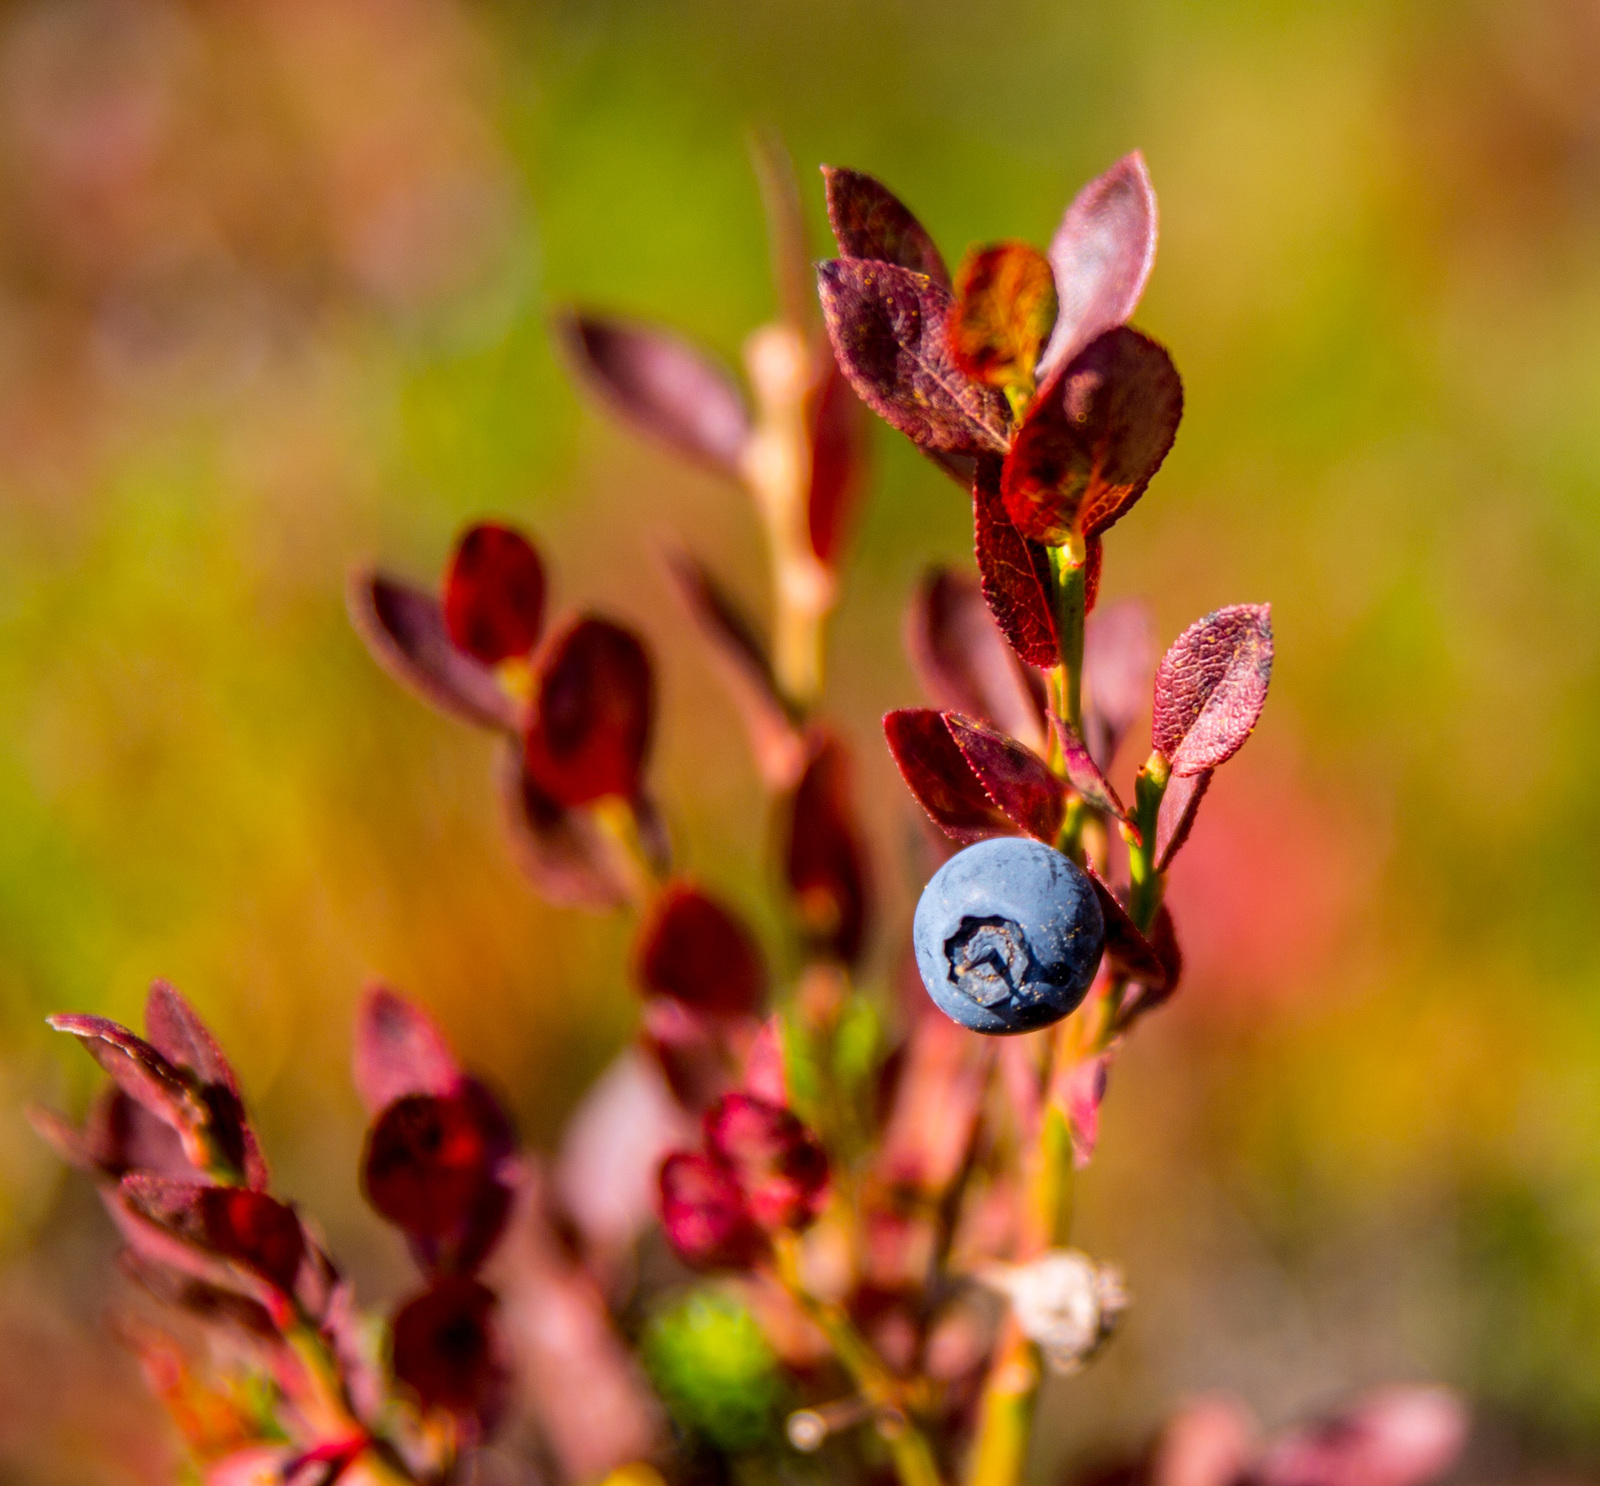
[1067,1304]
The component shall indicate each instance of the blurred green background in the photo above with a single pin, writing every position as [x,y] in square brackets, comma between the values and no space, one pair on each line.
[274,279]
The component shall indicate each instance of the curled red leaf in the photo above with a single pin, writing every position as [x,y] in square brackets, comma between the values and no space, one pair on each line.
[1175,819]
[594,709]
[251,1229]
[494,590]
[869,221]
[1005,304]
[1093,438]
[1101,255]
[696,950]
[1015,778]
[445,1347]
[1015,573]
[779,1164]
[704,1213]
[1211,686]
[1083,773]
[404,630]
[888,328]
[939,776]
[824,859]
[664,387]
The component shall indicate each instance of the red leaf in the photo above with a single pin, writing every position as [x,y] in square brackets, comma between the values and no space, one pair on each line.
[432,1166]
[691,1051]
[1175,819]
[869,221]
[593,714]
[563,853]
[1102,254]
[779,1164]
[1015,573]
[887,325]
[399,1050]
[185,1041]
[1119,656]
[1394,1437]
[938,775]
[1014,777]
[963,661]
[824,859]
[254,1231]
[704,1213]
[838,463]
[1005,306]
[746,670]
[404,630]
[1130,953]
[494,594]
[661,385]
[445,1348]
[1163,939]
[698,952]
[1093,438]
[1211,686]
[1083,773]
[1082,1097]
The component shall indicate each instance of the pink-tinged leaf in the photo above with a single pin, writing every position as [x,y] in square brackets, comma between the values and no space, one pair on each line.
[1093,438]
[1209,1442]
[662,386]
[594,710]
[1015,573]
[705,1215]
[1395,1437]
[1102,254]
[1175,819]
[1082,1095]
[118,1135]
[764,1074]
[869,221]
[888,328]
[399,1050]
[1005,306]
[1119,658]
[963,661]
[1015,778]
[494,591]
[692,1052]
[939,776]
[824,858]
[1129,952]
[404,630]
[838,463]
[563,853]
[746,669]
[250,1229]
[178,1034]
[779,1164]
[1211,686]
[445,1348]
[1083,773]
[697,951]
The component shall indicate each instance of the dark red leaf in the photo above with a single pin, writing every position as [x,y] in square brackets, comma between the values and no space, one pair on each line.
[1005,306]
[563,853]
[226,1309]
[251,1229]
[746,670]
[1102,254]
[1129,952]
[869,221]
[399,1050]
[704,1213]
[1015,573]
[779,1164]
[1211,686]
[664,387]
[593,713]
[824,858]
[494,594]
[118,1136]
[838,463]
[404,630]
[445,1347]
[1175,819]
[1093,438]
[1163,939]
[1119,656]
[888,328]
[1395,1437]
[963,661]
[692,1051]
[186,1042]
[1083,773]
[698,952]
[1014,777]
[939,776]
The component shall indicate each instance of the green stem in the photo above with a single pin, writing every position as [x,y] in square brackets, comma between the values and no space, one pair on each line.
[1067,601]
[1144,878]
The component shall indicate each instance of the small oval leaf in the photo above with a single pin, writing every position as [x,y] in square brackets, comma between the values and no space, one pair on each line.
[1211,686]
[870,221]
[494,591]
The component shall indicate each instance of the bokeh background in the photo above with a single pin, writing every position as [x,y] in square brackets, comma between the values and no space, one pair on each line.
[274,286]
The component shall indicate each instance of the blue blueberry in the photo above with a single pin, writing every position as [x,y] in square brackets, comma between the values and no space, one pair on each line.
[1008,935]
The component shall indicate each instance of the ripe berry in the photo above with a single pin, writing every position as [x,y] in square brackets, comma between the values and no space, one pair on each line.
[1008,935]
